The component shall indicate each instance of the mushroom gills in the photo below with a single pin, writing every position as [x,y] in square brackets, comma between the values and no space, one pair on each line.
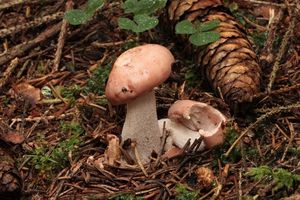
[178,134]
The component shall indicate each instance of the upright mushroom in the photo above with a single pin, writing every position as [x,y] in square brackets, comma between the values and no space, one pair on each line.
[191,119]
[134,75]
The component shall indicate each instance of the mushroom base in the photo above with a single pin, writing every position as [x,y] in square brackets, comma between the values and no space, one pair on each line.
[141,126]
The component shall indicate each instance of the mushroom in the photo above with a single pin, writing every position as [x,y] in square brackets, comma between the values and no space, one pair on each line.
[191,119]
[179,134]
[134,75]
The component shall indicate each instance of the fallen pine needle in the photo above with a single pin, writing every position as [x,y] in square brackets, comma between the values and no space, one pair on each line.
[260,119]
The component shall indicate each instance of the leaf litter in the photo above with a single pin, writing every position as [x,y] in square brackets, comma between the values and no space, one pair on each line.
[79,130]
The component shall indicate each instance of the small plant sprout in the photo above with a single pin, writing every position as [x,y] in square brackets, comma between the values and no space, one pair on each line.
[81,16]
[200,33]
[142,11]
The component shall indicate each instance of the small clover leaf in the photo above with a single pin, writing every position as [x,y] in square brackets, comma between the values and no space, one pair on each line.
[185,27]
[143,6]
[145,22]
[204,38]
[200,34]
[125,23]
[140,23]
[78,16]
[142,11]
[93,5]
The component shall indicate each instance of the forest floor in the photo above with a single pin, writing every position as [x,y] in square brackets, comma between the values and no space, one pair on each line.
[55,118]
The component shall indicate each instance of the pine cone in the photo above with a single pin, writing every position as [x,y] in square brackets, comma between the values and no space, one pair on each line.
[10,184]
[230,64]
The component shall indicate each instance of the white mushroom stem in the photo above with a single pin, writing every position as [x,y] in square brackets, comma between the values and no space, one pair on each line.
[141,125]
[179,134]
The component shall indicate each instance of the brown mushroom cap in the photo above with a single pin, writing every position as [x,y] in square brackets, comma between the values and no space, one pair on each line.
[200,117]
[137,71]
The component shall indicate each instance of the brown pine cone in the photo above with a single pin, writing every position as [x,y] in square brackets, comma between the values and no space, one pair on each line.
[10,183]
[230,64]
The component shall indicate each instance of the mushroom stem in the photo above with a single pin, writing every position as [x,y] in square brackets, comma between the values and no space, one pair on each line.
[141,125]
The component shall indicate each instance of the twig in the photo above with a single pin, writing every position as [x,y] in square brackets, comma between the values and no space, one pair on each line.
[292,131]
[33,23]
[37,122]
[12,3]
[257,26]
[109,44]
[260,119]
[20,49]
[279,91]
[60,186]
[8,72]
[217,192]
[164,139]
[207,194]
[61,38]
[240,186]
[267,3]
[138,159]
[281,51]
[267,54]
[34,119]
[57,94]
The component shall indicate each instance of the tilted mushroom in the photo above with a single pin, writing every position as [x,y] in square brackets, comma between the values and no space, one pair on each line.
[134,75]
[189,119]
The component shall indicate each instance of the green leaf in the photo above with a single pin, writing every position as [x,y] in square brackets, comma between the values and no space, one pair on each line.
[143,6]
[125,23]
[144,23]
[208,25]
[204,38]
[93,5]
[140,23]
[77,17]
[185,27]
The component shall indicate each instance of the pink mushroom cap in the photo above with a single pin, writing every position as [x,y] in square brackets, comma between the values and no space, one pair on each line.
[137,71]
[201,117]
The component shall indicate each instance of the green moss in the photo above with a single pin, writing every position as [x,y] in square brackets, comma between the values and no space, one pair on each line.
[45,159]
[182,193]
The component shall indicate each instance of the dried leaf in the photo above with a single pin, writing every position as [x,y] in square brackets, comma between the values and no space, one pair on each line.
[28,92]
[13,137]
[112,153]
[9,135]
